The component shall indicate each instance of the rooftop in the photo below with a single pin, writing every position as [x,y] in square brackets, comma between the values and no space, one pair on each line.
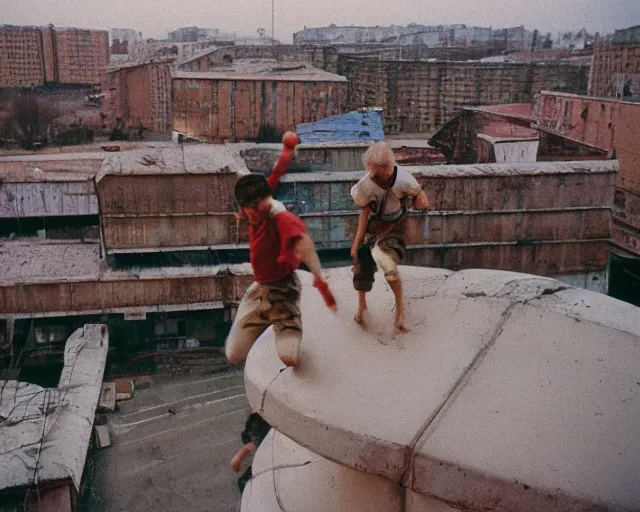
[45,432]
[29,261]
[263,69]
[518,392]
[522,111]
[475,170]
[178,159]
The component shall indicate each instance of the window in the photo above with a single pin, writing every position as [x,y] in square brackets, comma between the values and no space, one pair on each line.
[51,333]
[170,327]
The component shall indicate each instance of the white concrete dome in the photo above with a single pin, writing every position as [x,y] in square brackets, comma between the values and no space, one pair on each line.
[510,391]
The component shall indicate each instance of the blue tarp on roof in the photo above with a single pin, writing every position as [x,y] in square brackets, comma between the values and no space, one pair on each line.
[358,126]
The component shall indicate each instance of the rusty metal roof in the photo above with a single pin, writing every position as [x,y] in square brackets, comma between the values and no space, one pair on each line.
[513,110]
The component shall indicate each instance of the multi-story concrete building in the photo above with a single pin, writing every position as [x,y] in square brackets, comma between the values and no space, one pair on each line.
[194,34]
[31,56]
[125,34]
[415,34]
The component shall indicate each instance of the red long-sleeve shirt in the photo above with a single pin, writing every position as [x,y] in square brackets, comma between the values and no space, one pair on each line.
[280,169]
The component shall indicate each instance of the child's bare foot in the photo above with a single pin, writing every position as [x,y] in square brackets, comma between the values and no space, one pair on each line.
[401,320]
[359,316]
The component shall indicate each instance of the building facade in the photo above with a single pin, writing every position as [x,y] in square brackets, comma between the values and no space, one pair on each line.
[32,56]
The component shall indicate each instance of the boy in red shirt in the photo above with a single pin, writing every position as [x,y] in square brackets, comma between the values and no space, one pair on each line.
[278,243]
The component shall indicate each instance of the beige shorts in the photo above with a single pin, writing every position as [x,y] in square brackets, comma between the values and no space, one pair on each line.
[276,303]
[385,254]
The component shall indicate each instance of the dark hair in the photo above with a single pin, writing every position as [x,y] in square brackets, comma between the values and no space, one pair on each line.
[256,429]
[251,188]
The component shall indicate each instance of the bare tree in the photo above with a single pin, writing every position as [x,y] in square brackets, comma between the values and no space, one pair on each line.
[30,119]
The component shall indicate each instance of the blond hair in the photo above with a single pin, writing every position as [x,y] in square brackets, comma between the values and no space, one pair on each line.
[379,153]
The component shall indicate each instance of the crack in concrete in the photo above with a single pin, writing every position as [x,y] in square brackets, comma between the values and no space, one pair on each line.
[455,390]
[266,389]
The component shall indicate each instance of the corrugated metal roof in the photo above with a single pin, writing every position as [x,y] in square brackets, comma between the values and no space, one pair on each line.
[357,126]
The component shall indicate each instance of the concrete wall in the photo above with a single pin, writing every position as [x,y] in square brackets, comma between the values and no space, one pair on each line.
[422,96]
[608,61]
[217,110]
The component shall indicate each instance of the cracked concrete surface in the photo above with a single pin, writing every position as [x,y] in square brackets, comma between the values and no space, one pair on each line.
[44,433]
[510,391]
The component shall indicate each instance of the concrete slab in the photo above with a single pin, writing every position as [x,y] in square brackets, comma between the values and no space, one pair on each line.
[418,503]
[45,432]
[287,476]
[510,392]
[547,421]
[353,385]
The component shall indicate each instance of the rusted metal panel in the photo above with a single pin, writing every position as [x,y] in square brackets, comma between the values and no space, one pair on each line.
[218,110]
[626,237]
[114,292]
[520,226]
[545,259]
[166,194]
[535,191]
[173,231]
[629,175]
[48,199]
[337,231]
[627,208]
[577,118]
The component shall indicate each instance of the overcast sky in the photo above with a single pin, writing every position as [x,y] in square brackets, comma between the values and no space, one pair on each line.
[154,18]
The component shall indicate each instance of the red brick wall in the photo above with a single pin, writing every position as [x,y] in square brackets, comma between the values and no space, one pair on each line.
[21,58]
[31,56]
[82,55]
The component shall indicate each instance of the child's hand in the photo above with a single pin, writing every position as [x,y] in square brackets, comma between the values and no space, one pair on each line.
[321,284]
[235,463]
